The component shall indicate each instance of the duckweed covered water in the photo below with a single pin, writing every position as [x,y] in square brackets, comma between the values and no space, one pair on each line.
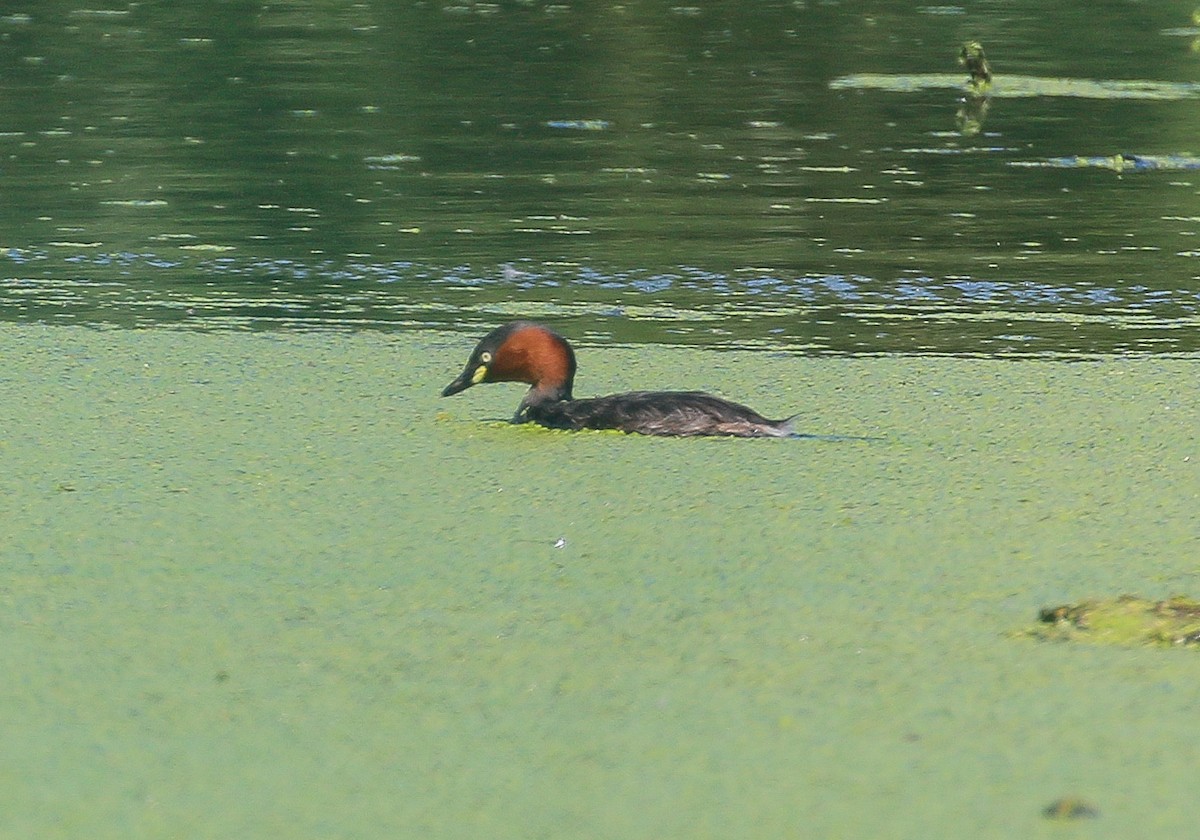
[227,554]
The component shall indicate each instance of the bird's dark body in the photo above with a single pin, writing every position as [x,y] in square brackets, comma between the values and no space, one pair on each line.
[682,413]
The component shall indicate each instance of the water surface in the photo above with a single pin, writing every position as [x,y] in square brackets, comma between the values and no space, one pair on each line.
[704,174]
[259,581]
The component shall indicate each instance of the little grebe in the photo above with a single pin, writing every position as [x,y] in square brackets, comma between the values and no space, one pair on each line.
[527,352]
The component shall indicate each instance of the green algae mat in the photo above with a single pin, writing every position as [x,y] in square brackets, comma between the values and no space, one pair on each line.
[1125,620]
[271,586]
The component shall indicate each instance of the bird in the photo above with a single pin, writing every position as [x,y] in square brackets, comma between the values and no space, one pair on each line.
[524,351]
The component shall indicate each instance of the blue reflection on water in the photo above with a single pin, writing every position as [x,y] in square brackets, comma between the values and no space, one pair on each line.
[154,274]
[211,290]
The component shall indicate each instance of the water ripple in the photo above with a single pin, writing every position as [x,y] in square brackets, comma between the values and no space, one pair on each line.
[818,312]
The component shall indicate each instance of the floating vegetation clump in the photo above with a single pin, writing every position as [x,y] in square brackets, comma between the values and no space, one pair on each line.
[1070,808]
[1125,620]
[971,57]
[1016,87]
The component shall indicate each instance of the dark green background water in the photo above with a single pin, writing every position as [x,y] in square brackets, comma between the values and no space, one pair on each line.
[640,171]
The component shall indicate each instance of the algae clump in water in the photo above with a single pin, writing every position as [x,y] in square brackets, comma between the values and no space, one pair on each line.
[1125,620]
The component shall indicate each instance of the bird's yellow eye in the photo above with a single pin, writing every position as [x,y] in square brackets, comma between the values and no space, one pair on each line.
[479,375]
[485,357]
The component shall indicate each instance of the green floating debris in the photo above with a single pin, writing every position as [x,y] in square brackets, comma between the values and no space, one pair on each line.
[1010,87]
[1070,808]
[395,157]
[1126,620]
[971,56]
